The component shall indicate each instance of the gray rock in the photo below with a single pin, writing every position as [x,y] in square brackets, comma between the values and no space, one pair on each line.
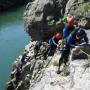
[84,53]
[73,7]
[79,56]
[41,75]
[41,17]
[78,79]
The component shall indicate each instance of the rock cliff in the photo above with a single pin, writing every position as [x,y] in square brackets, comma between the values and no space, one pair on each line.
[43,17]
[42,74]
[81,10]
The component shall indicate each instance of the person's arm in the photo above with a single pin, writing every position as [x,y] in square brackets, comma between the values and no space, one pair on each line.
[69,41]
[65,32]
[54,40]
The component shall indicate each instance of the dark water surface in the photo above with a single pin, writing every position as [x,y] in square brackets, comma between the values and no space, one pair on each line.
[13,39]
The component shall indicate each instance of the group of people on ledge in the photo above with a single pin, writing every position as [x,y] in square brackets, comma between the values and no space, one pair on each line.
[72,37]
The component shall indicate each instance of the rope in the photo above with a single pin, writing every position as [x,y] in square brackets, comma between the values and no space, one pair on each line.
[85,53]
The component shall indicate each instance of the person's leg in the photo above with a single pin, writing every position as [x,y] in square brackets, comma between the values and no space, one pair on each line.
[66,55]
[46,52]
[60,62]
[65,59]
[35,53]
[52,50]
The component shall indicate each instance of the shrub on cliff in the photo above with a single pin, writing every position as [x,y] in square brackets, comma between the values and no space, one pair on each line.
[85,8]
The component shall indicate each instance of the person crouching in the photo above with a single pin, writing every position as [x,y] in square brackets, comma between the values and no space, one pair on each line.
[72,41]
[53,43]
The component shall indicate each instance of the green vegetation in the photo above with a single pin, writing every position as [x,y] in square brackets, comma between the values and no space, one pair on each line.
[85,8]
[65,72]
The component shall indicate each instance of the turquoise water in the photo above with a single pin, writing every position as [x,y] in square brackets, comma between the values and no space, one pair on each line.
[13,39]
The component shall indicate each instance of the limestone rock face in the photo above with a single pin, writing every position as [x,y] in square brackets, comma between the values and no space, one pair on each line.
[79,78]
[41,17]
[80,9]
[40,74]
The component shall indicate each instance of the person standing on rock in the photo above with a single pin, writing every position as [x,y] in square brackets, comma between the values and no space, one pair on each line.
[72,41]
[53,43]
[69,27]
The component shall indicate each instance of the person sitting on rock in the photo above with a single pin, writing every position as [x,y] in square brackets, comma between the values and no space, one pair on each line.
[16,64]
[16,74]
[24,59]
[37,48]
[10,86]
[53,43]
[72,41]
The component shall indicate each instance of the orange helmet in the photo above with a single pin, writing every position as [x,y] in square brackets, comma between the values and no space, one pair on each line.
[70,20]
[58,35]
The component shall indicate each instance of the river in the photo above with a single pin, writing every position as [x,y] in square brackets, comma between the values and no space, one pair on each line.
[13,39]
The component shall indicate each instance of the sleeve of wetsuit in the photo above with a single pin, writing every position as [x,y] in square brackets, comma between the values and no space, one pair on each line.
[69,41]
[65,32]
[54,40]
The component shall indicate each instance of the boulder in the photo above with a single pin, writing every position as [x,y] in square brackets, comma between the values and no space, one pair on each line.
[84,53]
[41,17]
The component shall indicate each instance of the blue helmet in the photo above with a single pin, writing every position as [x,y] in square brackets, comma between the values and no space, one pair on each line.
[80,32]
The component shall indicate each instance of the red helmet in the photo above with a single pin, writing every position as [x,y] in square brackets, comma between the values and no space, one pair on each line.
[70,20]
[58,35]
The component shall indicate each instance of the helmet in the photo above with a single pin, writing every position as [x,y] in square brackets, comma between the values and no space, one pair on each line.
[80,32]
[70,20]
[58,35]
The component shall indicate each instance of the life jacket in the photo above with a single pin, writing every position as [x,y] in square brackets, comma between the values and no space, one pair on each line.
[68,29]
[51,40]
[74,33]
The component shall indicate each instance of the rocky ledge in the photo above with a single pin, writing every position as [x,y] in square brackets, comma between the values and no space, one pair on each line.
[42,74]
